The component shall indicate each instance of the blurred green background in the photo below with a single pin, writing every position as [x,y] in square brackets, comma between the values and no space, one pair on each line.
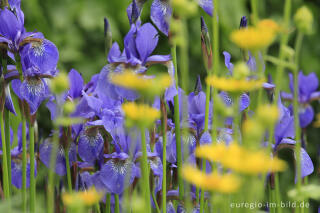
[76,27]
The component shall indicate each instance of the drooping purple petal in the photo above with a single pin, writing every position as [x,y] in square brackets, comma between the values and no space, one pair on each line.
[160,14]
[90,145]
[117,174]
[34,90]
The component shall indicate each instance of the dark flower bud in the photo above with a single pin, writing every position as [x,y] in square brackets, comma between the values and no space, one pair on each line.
[107,36]
[135,11]
[198,87]
[243,22]
[206,44]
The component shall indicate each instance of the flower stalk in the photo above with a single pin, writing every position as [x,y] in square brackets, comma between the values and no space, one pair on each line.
[145,171]
[32,168]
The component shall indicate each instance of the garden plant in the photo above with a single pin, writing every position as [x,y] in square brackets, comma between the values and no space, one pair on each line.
[153,130]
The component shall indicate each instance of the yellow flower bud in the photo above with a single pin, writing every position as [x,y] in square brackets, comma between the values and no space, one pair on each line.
[304,20]
[69,107]
[60,83]
[241,71]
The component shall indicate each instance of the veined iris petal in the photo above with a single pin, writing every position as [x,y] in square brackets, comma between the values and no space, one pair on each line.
[90,144]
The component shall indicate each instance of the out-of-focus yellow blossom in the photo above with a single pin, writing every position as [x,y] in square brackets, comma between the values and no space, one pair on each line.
[215,182]
[144,84]
[256,38]
[140,114]
[234,85]
[84,198]
[268,114]
[240,159]
[269,24]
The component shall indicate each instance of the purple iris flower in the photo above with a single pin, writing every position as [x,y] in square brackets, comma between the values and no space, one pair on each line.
[139,43]
[45,155]
[284,134]
[39,61]
[161,12]
[307,93]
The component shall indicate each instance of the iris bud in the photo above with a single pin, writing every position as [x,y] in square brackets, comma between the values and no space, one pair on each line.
[304,20]
[206,44]
[60,83]
[107,36]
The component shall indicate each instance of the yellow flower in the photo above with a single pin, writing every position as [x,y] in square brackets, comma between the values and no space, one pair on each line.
[140,114]
[82,198]
[256,38]
[144,84]
[234,85]
[269,24]
[240,159]
[216,182]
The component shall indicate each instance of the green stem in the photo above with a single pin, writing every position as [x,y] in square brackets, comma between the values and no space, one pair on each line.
[8,144]
[184,61]
[206,117]
[298,45]
[277,191]
[216,64]
[145,172]
[51,178]
[66,153]
[7,121]
[32,169]
[177,124]
[24,160]
[164,163]
[24,140]
[204,165]
[155,202]
[280,66]
[5,161]
[117,205]
[254,8]
[108,200]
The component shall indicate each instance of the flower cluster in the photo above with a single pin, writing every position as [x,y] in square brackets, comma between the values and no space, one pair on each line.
[128,131]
